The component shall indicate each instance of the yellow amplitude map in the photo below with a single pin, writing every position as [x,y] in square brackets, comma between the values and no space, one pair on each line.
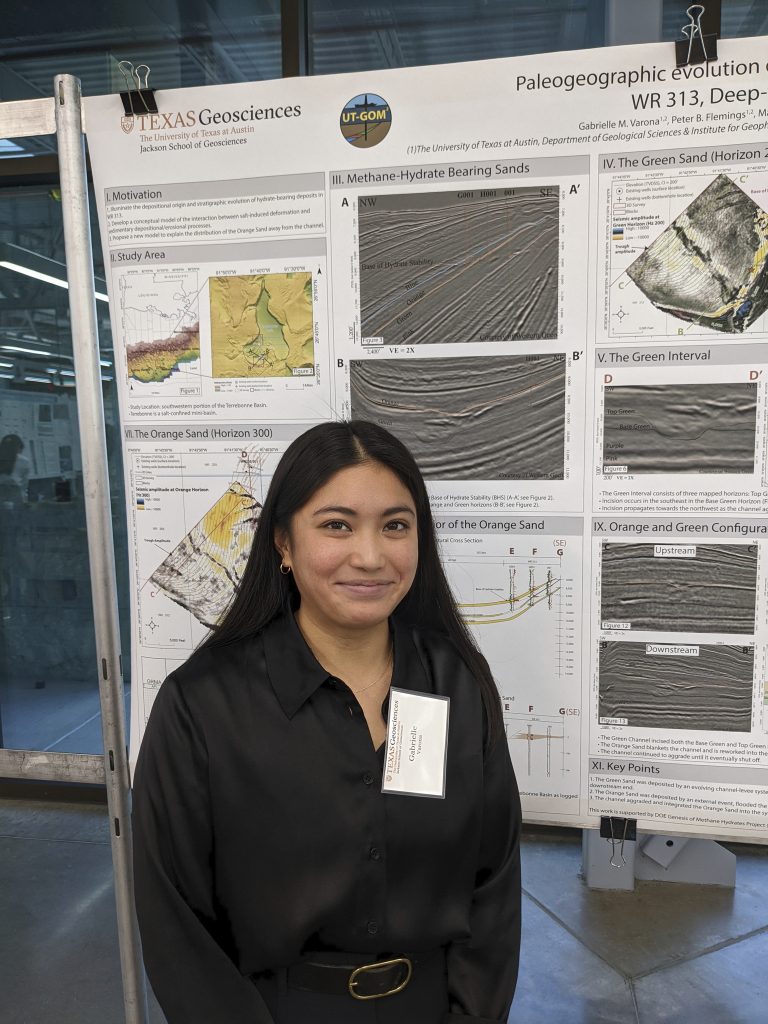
[262,325]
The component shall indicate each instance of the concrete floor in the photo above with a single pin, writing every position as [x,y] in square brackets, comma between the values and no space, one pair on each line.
[663,954]
[63,717]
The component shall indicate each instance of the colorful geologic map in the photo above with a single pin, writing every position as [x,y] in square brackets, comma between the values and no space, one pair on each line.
[262,326]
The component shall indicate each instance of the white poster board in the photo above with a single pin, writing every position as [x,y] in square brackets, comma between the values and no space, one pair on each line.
[549,275]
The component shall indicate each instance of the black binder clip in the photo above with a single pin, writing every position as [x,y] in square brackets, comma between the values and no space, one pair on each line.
[619,831]
[140,100]
[696,48]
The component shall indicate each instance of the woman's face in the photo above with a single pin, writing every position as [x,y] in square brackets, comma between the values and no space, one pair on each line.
[353,548]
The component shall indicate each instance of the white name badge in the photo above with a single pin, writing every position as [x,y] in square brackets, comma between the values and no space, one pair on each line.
[417,744]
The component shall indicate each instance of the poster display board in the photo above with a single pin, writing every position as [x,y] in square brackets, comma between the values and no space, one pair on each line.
[549,276]
[48,428]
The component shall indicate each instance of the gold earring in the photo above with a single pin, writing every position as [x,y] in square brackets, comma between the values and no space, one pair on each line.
[285,569]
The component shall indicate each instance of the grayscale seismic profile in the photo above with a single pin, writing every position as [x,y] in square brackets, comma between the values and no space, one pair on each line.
[711,592]
[465,266]
[710,266]
[704,692]
[680,428]
[474,418]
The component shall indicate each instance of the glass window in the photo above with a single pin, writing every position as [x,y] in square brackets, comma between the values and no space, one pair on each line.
[49,696]
[738,18]
[184,44]
[48,676]
[349,36]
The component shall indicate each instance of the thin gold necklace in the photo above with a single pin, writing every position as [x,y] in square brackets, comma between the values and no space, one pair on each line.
[387,668]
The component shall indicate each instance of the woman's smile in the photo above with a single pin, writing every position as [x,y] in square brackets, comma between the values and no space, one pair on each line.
[353,549]
[366,589]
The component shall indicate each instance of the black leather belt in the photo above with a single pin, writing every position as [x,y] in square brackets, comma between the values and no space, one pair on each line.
[366,981]
[339,974]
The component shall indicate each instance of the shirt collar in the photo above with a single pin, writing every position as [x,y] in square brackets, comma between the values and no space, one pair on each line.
[295,673]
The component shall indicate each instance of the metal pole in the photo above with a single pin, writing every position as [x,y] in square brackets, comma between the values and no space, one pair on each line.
[90,411]
[294,22]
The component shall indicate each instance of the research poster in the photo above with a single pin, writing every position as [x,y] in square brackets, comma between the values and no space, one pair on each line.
[549,276]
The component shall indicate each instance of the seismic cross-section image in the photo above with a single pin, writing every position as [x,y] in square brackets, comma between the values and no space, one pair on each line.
[494,418]
[475,265]
[690,588]
[680,428]
[710,266]
[703,687]
[204,569]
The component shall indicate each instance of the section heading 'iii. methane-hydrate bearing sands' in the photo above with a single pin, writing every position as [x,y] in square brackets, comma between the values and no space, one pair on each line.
[680,428]
[495,418]
[688,588]
[710,265]
[701,687]
[476,265]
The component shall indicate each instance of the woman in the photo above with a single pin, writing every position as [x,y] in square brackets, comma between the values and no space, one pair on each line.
[273,853]
[14,472]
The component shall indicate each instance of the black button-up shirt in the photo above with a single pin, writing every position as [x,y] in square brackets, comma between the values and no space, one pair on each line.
[261,832]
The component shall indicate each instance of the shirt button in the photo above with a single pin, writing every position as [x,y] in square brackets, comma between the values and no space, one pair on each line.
[368,778]
[374,853]
[373,927]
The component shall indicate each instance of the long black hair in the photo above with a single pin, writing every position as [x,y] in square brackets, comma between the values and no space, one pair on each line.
[10,447]
[308,463]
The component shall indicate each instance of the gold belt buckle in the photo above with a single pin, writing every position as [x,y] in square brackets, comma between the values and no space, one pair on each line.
[381,963]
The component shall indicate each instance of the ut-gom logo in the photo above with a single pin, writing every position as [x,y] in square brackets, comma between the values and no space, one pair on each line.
[366,120]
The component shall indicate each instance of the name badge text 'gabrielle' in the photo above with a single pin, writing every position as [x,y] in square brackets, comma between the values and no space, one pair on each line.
[417,744]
